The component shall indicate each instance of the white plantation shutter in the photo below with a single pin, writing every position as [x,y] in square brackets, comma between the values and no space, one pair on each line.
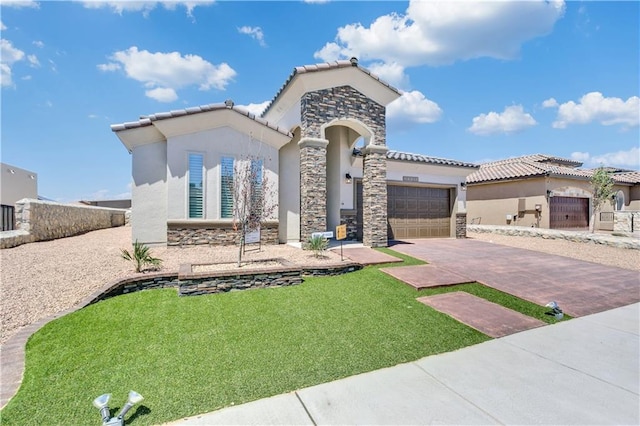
[226,187]
[196,179]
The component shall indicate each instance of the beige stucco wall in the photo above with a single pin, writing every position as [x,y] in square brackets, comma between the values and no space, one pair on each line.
[149,194]
[213,145]
[16,184]
[634,198]
[289,190]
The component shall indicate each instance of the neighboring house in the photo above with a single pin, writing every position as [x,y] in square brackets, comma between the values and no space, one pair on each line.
[544,191]
[321,142]
[16,184]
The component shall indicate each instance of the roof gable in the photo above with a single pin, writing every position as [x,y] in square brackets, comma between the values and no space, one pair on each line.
[326,75]
[160,126]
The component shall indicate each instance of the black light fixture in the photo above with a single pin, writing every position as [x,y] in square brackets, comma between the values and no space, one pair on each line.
[228,103]
[348,178]
[463,186]
[354,61]
[549,193]
[356,152]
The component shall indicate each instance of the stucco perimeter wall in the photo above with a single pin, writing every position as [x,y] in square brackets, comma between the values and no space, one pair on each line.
[44,220]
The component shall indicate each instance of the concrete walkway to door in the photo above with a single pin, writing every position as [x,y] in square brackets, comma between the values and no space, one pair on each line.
[579,287]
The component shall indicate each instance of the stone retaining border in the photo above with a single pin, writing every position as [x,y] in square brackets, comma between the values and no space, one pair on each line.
[553,234]
[12,353]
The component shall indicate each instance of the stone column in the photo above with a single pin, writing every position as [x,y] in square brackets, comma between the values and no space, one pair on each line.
[374,196]
[461,225]
[313,186]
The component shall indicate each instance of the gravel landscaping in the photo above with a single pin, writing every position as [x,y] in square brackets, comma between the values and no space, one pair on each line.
[44,278]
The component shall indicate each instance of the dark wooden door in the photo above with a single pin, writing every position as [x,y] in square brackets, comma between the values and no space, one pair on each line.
[569,213]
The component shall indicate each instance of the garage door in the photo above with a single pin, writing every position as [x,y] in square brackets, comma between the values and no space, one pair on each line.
[569,213]
[418,212]
[413,212]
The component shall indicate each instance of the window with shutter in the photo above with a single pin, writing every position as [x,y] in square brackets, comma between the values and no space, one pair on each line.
[196,187]
[226,187]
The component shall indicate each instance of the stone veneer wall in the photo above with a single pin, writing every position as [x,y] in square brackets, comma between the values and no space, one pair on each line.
[350,218]
[374,197]
[626,221]
[45,220]
[313,186]
[214,233]
[344,102]
[194,284]
[461,225]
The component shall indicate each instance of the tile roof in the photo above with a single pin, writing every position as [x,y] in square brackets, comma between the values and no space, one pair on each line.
[419,158]
[538,165]
[148,120]
[324,67]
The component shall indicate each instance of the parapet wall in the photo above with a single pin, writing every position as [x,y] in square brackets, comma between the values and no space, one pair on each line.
[44,220]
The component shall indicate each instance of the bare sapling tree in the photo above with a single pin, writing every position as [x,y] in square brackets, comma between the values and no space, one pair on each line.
[253,198]
[602,185]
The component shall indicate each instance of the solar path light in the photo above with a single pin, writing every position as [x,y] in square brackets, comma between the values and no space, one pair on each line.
[102,404]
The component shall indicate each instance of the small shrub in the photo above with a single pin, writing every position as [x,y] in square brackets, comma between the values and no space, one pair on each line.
[318,244]
[140,257]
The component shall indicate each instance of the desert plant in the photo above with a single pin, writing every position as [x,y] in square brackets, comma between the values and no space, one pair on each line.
[318,244]
[140,256]
[603,192]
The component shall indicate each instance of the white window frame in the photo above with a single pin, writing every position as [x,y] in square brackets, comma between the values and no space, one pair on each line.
[188,187]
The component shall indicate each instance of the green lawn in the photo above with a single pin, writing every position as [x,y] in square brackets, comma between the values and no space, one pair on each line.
[188,355]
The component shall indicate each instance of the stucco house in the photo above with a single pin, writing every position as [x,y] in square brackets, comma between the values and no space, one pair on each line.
[544,191]
[321,142]
[16,184]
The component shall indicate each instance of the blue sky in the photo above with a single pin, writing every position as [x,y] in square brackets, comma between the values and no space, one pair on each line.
[480,80]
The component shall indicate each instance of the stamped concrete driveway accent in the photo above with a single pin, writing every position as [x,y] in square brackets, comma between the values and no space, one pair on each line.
[367,256]
[426,276]
[580,288]
[486,317]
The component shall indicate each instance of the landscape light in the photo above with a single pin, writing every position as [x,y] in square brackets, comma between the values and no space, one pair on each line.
[555,310]
[101,404]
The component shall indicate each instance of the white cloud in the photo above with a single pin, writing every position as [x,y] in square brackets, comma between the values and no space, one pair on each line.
[255,109]
[595,107]
[580,156]
[629,158]
[21,3]
[440,33]
[8,56]
[162,94]
[255,33]
[33,61]
[169,71]
[144,6]
[392,73]
[413,108]
[513,119]
[38,43]
[2,26]
[550,103]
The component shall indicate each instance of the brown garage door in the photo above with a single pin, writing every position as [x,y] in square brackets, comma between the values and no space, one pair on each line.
[569,213]
[412,212]
[418,212]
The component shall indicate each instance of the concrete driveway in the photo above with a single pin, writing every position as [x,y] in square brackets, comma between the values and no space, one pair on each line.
[579,287]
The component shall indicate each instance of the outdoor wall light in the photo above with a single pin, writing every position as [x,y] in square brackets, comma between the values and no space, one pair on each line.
[354,61]
[348,178]
[228,103]
[102,402]
[463,186]
[356,152]
[549,193]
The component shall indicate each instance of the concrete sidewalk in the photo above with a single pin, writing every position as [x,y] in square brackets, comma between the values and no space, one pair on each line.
[583,371]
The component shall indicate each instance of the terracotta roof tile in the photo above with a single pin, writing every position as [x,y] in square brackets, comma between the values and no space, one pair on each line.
[540,165]
[419,158]
[148,120]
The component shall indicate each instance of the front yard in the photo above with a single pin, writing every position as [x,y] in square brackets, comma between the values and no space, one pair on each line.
[189,355]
